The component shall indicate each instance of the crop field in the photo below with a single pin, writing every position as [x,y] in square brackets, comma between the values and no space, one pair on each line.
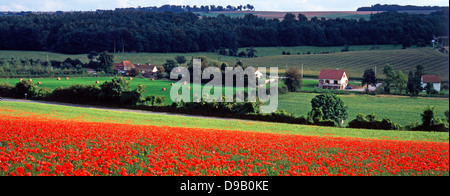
[309,14]
[41,140]
[358,59]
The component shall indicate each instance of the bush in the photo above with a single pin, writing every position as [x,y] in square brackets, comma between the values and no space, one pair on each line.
[371,121]
[333,108]
[153,100]
[327,123]
[130,98]
[43,93]
[112,91]
[283,90]
[431,121]
[25,87]
[447,115]
[76,94]
[5,90]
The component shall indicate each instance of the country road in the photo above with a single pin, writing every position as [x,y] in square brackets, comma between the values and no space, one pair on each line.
[114,109]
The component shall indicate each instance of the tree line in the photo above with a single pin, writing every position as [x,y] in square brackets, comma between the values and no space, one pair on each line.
[188,8]
[138,31]
[394,8]
[102,63]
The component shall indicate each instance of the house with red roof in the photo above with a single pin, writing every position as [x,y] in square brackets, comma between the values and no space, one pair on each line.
[123,67]
[333,79]
[434,79]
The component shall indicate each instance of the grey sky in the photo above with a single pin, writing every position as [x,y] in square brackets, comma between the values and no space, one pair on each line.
[261,5]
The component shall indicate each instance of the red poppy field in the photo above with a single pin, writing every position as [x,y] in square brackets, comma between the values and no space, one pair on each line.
[36,146]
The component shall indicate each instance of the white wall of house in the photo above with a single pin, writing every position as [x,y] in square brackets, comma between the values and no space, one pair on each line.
[436,86]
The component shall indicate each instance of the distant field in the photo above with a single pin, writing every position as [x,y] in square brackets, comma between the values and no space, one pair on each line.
[309,14]
[354,62]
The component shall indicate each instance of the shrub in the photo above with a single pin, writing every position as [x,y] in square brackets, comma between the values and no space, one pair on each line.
[5,90]
[25,87]
[153,100]
[130,97]
[333,108]
[327,123]
[447,115]
[43,93]
[431,121]
[283,90]
[76,94]
[112,91]
[371,121]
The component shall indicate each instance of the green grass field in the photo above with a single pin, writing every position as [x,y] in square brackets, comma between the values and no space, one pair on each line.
[95,115]
[400,109]
[150,87]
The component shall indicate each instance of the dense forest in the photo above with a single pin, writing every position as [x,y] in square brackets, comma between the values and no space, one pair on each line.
[396,8]
[138,31]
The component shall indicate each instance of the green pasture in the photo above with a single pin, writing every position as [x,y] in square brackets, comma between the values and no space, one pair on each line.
[401,109]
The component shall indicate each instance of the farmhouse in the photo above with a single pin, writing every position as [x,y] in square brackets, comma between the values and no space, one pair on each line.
[147,70]
[333,79]
[125,67]
[258,74]
[435,79]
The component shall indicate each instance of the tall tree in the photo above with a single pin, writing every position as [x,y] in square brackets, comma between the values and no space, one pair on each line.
[106,60]
[294,80]
[369,78]
[389,74]
[400,81]
[180,59]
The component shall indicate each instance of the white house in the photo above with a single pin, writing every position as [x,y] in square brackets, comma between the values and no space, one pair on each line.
[258,74]
[333,79]
[435,79]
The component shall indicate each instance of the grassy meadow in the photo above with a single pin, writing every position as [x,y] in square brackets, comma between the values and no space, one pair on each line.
[98,115]
[401,109]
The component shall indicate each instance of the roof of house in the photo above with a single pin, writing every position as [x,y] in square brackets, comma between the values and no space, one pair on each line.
[145,67]
[123,64]
[332,74]
[431,78]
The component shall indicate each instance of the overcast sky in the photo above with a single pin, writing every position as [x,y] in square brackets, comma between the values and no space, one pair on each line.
[261,5]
